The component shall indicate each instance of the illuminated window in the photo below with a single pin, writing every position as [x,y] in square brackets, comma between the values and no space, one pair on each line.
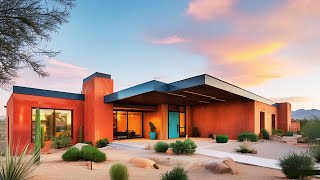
[53,121]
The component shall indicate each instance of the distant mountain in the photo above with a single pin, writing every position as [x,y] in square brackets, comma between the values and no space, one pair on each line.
[303,113]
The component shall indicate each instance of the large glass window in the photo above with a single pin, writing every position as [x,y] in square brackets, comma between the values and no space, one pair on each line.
[53,121]
[127,124]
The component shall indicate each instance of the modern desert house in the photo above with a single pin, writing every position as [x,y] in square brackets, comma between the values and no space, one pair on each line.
[201,102]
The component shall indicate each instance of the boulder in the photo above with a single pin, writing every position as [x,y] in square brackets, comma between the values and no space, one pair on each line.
[169,151]
[302,140]
[143,163]
[222,166]
[277,138]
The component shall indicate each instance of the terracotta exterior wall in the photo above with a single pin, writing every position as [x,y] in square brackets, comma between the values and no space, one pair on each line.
[98,116]
[230,118]
[284,116]
[268,111]
[19,111]
[295,126]
[160,120]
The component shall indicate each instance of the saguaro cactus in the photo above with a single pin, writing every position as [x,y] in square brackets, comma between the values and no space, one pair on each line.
[80,135]
[42,137]
[37,138]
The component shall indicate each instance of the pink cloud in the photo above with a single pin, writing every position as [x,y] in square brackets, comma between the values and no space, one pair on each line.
[207,9]
[169,40]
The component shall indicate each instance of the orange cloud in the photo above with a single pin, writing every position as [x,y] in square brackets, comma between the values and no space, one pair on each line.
[169,40]
[207,9]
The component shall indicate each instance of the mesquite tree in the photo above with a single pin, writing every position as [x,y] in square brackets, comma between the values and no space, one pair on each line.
[25,27]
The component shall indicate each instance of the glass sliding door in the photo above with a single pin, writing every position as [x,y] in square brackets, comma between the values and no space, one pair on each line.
[127,124]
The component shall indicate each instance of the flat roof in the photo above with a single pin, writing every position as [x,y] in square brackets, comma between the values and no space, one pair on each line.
[199,89]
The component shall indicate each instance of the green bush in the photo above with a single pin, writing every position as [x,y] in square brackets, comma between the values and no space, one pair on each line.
[72,154]
[186,147]
[161,147]
[293,162]
[265,134]
[246,147]
[277,132]
[177,173]
[90,153]
[153,128]
[315,152]
[222,139]
[102,143]
[248,136]
[289,133]
[311,130]
[119,172]
[62,141]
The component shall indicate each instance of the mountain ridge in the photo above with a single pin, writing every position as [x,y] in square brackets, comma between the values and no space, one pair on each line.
[305,113]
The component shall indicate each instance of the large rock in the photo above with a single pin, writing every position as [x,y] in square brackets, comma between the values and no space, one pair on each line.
[277,138]
[143,163]
[302,140]
[222,166]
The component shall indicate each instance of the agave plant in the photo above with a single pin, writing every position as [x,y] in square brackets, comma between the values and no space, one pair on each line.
[16,166]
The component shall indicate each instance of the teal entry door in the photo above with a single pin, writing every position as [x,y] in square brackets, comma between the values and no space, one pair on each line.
[173,125]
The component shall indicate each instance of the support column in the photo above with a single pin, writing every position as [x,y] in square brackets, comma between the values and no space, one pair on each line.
[98,116]
[284,116]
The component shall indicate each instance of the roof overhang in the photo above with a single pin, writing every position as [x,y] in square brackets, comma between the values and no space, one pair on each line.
[195,90]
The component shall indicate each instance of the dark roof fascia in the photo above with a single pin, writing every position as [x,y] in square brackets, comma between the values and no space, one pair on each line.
[97,74]
[47,93]
[149,86]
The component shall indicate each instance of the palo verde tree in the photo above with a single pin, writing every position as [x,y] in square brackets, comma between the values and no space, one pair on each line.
[25,27]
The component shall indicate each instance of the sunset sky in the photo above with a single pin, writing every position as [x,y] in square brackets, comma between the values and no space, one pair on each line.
[271,48]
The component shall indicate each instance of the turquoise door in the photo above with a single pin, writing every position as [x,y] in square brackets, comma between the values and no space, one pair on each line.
[173,125]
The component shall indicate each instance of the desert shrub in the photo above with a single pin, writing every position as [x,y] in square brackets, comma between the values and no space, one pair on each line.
[289,133]
[245,147]
[211,135]
[17,165]
[153,128]
[265,134]
[161,147]
[222,139]
[293,162]
[277,132]
[311,130]
[118,172]
[62,141]
[90,153]
[248,136]
[72,154]
[315,152]
[177,173]
[102,143]
[195,132]
[186,147]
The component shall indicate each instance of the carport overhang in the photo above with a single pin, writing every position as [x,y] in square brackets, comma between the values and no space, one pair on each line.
[202,89]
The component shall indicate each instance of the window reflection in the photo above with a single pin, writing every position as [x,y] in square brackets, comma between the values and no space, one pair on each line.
[53,121]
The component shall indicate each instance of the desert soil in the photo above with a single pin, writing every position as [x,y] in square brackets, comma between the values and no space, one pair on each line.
[53,167]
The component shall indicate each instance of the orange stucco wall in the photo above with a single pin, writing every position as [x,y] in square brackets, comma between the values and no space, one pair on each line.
[295,126]
[98,116]
[19,111]
[230,118]
[159,119]
[268,111]
[284,116]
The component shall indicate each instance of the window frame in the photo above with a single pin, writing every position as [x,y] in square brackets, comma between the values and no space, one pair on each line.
[54,109]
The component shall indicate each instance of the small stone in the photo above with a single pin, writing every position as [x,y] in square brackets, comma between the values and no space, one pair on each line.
[302,140]
[222,166]
[169,151]
[147,147]
[143,163]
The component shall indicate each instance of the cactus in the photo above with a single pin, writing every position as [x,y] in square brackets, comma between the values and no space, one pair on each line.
[80,135]
[42,137]
[37,139]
